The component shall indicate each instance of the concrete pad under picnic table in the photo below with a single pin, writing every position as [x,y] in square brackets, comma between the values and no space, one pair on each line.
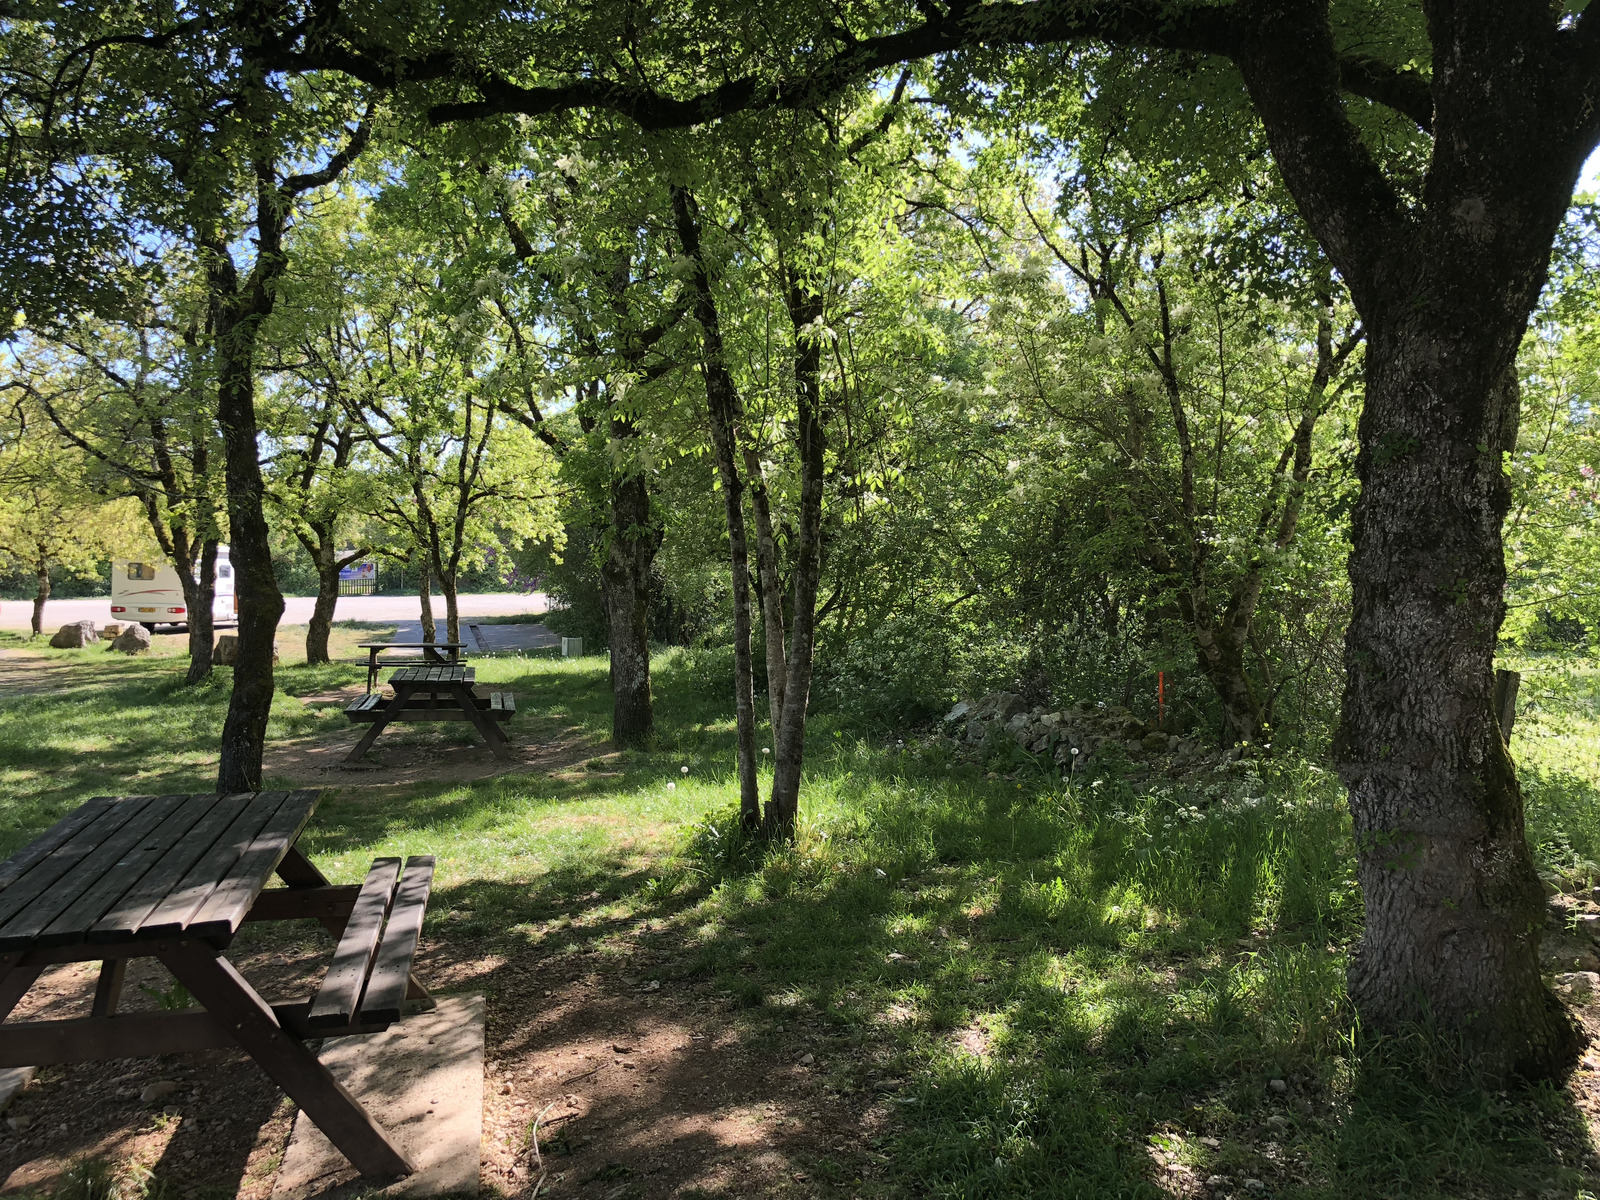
[422,1080]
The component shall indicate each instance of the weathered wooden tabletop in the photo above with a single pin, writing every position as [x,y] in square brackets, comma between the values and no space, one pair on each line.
[144,868]
[444,673]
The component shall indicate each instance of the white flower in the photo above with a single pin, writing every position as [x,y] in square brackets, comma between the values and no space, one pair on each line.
[683,770]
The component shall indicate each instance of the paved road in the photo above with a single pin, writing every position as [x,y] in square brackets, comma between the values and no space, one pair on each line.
[16,614]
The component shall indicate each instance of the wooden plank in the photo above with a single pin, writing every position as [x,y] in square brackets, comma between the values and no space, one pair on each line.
[299,904]
[87,874]
[128,913]
[336,1001]
[171,915]
[92,1039]
[126,873]
[219,918]
[386,989]
[15,867]
[69,853]
[226,995]
[298,871]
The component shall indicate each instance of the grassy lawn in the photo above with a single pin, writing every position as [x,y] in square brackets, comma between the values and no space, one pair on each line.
[1047,991]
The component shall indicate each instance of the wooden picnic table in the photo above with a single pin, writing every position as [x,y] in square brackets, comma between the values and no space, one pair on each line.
[173,878]
[427,654]
[442,693]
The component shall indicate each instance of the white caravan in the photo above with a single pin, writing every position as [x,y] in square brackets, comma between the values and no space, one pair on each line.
[151,593]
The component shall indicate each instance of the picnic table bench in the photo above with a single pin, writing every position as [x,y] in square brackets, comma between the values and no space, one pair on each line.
[173,878]
[423,654]
[442,693]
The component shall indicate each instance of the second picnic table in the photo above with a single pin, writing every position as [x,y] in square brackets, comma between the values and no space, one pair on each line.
[425,654]
[442,693]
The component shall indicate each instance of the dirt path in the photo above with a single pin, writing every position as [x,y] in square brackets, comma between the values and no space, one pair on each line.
[25,674]
[412,753]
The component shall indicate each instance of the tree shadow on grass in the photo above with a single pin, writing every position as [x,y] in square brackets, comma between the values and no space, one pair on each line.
[1057,1038]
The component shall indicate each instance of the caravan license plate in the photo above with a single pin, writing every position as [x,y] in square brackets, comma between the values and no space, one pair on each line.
[147,610]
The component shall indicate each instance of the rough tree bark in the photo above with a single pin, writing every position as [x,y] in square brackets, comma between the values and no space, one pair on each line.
[771,582]
[430,631]
[319,543]
[1453,906]
[199,597]
[41,574]
[244,730]
[805,314]
[723,405]
[625,578]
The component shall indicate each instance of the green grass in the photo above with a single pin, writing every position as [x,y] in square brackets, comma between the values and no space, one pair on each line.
[1061,991]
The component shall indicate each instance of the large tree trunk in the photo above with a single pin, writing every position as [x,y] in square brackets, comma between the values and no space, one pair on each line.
[625,576]
[1445,287]
[805,311]
[244,731]
[722,403]
[327,562]
[1454,908]
[41,594]
[199,595]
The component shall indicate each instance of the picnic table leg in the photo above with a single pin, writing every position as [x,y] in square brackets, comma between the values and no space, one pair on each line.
[14,985]
[490,731]
[108,988]
[402,693]
[226,995]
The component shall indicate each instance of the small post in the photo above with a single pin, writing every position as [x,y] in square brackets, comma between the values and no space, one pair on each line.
[1161,699]
[1506,684]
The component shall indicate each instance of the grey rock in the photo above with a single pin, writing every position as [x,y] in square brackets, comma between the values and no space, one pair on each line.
[135,639]
[1576,985]
[112,630]
[159,1090]
[1559,952]
[74,636]
[226,651]
[957,713]
[1278,1086]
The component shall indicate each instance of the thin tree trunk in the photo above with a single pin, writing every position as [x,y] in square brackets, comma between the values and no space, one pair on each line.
[327,562]
[244,731]
[452,609]
[722,404]
[425,595]
[771,587]
[625,577]
[199,596]
[42,576]
[805,310]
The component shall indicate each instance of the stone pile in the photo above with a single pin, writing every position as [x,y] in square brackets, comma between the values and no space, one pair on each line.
[1571,941]
[1078,737]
